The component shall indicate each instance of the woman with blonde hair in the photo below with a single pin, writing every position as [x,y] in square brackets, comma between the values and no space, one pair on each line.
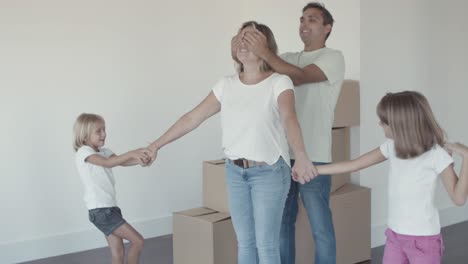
[258,120]
[94,163]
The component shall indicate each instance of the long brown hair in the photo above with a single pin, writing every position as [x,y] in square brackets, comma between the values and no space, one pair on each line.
[271,42]
[413,125]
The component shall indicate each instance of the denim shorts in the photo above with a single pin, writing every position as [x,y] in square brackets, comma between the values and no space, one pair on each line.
[106,219]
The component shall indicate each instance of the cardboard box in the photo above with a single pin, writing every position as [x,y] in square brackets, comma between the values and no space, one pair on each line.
[341,150]
[214,184]
[347,110]
[203,236]
[351,217]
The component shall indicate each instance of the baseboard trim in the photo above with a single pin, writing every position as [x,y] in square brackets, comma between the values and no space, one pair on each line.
[75,242]
[90,239]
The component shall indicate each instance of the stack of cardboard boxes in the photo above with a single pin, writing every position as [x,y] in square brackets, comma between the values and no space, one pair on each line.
[206,236]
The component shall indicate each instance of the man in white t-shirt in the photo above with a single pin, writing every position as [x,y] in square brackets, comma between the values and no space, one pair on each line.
[317,73]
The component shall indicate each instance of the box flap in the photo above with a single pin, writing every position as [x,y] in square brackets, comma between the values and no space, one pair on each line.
[350,84]
[215,162]
[350,188]
[196,212]
[215,217]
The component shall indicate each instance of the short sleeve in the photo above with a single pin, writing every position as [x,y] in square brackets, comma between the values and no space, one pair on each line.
[285,56]
[441,159]
[332,64]
[385,148]
[282,84]
[83,153]
[106,152]
[218,89]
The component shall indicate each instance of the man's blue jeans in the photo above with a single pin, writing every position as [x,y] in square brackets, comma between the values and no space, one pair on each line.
[316,198]
[256,200]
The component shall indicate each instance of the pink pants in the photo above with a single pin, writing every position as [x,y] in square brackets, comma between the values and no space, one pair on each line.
[405,249]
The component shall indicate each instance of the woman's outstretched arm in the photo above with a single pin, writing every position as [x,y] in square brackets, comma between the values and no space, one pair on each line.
[188,122]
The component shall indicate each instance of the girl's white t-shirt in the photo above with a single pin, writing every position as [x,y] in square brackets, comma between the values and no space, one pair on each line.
[250,118]
[411,190]
[98,181]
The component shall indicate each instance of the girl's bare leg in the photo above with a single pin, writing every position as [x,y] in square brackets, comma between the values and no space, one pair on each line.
[117,249]
[129,233]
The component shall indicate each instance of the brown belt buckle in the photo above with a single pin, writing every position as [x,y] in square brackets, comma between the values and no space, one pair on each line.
[243,163]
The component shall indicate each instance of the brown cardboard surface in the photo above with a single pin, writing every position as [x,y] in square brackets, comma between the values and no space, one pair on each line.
[341,151]
[203,236]
[347,110]
[214,186]
[350,207]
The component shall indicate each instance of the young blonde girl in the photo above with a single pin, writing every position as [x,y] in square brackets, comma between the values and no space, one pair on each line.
[414,148]
[95,163]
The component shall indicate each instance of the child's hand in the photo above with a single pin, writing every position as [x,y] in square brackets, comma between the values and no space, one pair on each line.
[142,155]
[303,170]
[147,160]
[457,148]
[153,148]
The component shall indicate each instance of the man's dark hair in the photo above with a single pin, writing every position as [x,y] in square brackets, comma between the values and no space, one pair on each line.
[327,17]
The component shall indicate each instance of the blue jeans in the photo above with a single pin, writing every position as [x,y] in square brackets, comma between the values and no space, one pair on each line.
[256,200]
[316,198]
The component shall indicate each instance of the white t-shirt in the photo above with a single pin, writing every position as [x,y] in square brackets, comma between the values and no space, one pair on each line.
[315,102]
[250,118]
[411,187]
[98,181]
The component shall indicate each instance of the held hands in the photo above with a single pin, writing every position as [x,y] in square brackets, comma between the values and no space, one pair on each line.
[142,156]
[153,148]
[303,170]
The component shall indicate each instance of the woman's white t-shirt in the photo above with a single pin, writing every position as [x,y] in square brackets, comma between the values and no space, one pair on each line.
[98,181]
[411,190]
[250,118]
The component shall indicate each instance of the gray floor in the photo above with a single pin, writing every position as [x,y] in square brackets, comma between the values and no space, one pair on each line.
[159,251]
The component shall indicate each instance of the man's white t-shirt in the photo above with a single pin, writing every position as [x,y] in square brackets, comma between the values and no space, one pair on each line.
[411,190]
[250,118]
[98,181]
[315,102]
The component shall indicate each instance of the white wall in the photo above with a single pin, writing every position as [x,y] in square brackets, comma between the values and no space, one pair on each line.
[140,64]
[412,45]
